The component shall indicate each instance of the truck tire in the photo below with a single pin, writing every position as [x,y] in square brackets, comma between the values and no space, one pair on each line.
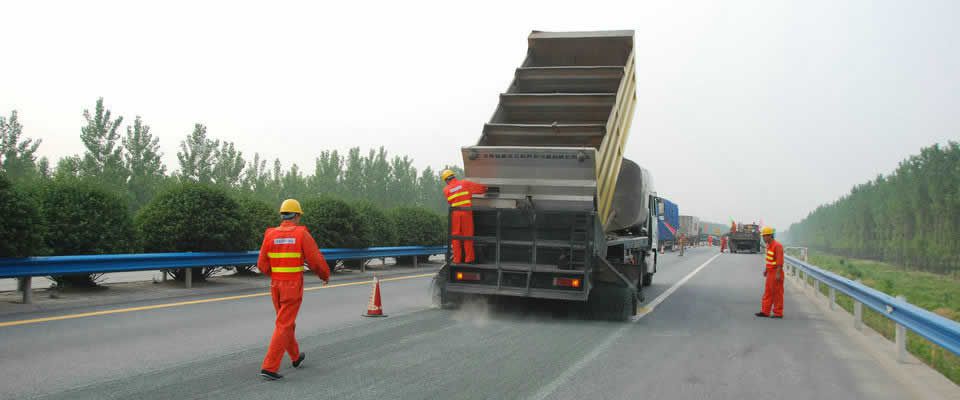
[647,279]
[628,305]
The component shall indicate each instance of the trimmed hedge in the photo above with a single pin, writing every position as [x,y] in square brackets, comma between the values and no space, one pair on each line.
[193,217]
[334,223]
[21,233]
[83,218]
[381,229]
[257,217]
[418,226]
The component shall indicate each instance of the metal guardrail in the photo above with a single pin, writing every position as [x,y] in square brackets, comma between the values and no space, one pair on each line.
[92,264]
[939,330]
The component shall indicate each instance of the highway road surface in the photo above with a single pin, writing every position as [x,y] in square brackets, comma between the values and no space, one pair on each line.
[696,338]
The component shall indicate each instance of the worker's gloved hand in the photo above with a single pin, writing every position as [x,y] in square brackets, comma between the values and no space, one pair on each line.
[779,275]
[764,273]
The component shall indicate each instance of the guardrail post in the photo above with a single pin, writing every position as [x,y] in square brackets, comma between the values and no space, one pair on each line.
[858,315]
[901,339]
[415,261]
[363,265]
[188,278]
[27,290]
[833,299]
[163,275]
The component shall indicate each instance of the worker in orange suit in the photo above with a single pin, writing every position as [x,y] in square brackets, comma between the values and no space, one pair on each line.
[284,251]
[723,243]
[773,290]
[459,193]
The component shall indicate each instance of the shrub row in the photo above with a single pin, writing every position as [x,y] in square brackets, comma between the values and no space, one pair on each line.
[72,218]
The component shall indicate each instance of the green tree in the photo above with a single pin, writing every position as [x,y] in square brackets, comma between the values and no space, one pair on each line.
[17,155]
[402,183]
[376,177]
[142,160]
[910,217]
[103,159]
[68,168]
[328,168]
[228,166]
[293,184]
[353,179]
[197,156]
[256,177]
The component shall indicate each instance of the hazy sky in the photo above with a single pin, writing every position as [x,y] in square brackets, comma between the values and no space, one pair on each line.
[751,110]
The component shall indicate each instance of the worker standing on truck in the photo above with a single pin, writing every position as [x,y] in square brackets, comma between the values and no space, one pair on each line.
[773,290]
[282,255]
[459,193]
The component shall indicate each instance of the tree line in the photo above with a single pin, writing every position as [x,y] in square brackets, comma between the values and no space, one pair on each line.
[910,217]
[118,196]
[127,160]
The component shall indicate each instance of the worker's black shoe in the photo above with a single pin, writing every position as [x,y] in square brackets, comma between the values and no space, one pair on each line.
[762,315]
[299,361]
[777,316]
[270,376]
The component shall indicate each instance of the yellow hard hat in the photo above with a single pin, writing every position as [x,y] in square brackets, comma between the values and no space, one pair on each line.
[291,206]
[446,174]
[766,231]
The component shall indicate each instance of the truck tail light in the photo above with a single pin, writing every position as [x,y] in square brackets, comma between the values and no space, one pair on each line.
[566,282]
[468,276]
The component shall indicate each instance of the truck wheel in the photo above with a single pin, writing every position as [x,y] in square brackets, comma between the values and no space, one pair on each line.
[647,279]
[628,305]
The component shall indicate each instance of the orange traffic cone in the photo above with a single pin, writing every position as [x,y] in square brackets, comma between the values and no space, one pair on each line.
[374,308]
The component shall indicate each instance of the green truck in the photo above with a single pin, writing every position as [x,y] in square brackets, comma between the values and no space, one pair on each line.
[746,239]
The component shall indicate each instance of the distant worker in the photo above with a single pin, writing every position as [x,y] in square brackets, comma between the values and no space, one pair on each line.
[773,290]
[282,255]
[723,243]
[682,241]
[709,241]
[459,193]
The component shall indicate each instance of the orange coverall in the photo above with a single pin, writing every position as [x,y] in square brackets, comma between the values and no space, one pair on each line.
[460,194]
[773,290]
[282,255]
[723,243]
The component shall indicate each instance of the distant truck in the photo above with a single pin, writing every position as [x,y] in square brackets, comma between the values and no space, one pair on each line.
[565,216]
[668,224]
[690,228]
[746,239]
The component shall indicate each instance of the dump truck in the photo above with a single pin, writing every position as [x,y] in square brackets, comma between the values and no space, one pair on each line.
[565,216]
[746,239]
[668,223]
[690,229]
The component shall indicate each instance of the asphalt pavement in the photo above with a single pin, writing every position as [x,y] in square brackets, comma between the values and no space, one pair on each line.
[698,339]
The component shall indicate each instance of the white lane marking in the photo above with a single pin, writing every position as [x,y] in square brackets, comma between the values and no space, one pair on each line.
[603,346]
[647,309]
